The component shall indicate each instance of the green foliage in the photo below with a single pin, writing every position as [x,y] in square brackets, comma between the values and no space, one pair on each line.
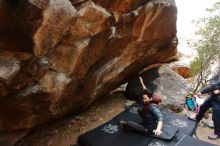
[195,66]
[207,45]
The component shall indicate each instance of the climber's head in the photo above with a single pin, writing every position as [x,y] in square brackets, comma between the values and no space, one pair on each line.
[148,97]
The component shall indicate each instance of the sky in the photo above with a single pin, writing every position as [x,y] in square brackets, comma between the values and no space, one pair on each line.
[187,11]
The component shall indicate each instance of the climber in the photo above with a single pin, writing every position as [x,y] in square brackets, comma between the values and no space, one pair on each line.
[150,113]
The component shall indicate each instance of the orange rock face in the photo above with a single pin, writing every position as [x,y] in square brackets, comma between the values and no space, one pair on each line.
[185,72]
[58,56]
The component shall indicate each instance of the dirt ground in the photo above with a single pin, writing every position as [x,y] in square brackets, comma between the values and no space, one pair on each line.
[66,131]
[203,132]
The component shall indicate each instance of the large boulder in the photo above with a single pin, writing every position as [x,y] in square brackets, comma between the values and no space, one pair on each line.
[171,87]
[163,82]
[58,56]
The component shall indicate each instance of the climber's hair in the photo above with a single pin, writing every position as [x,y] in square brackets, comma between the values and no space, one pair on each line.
[148,93]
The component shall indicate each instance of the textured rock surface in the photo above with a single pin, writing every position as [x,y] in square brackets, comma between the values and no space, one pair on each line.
[182,66]
[58,56]
[185,72]
[171,86]
[163,82]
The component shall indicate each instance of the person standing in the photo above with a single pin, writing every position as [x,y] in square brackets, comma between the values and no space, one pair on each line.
[213,101]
